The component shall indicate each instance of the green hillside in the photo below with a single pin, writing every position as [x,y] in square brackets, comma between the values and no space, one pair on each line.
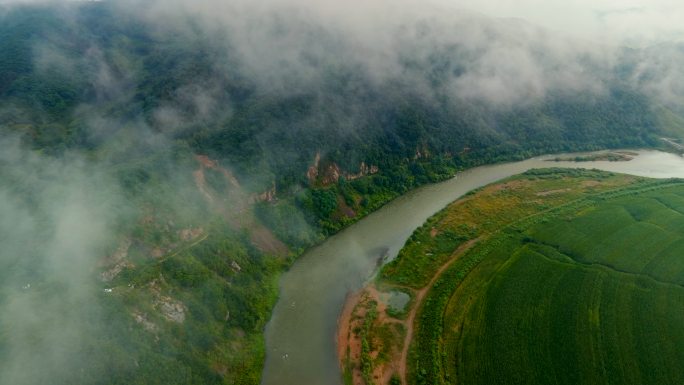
[154,185]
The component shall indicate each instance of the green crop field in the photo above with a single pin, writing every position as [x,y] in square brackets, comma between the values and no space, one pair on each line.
[589,291]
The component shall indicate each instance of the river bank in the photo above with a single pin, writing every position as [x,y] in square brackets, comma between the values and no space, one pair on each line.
[301,336]
[353,315]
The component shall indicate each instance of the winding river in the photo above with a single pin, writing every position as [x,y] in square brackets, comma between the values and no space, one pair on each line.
[300,337]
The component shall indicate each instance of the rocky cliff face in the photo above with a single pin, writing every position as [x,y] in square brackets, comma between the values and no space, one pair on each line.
[269,195]
[327,174]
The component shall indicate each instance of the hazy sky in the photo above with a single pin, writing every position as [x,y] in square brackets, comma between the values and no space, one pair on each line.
[632,21]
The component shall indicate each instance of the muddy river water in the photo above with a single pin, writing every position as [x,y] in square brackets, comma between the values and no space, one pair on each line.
[300,337]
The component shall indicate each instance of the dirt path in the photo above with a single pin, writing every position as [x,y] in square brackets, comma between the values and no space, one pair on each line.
[420,296]
[184,248]
[349,345]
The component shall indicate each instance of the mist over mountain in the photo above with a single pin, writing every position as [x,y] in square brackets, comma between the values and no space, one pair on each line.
[162,162]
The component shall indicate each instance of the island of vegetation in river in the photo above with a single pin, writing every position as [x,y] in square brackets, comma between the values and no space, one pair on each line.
[553,276]
[611,156]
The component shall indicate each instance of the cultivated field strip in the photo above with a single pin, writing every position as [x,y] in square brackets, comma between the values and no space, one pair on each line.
[588,290]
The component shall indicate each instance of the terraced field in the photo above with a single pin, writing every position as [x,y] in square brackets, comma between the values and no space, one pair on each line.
[590,292]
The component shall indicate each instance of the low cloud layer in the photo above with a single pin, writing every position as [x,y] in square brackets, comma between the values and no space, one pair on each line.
[498,52]
[634,22]
[59,215]
[291,45]
[58,219]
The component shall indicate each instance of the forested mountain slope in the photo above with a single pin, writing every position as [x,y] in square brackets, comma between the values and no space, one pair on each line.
[159,170]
